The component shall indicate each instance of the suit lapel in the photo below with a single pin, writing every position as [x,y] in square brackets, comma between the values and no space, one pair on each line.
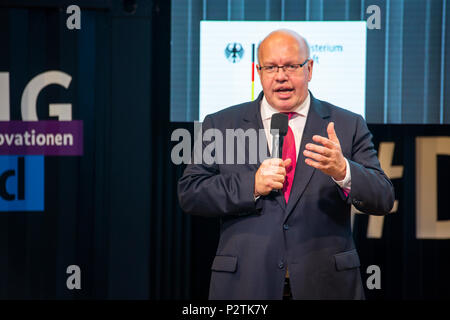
[315,124]
[252,120]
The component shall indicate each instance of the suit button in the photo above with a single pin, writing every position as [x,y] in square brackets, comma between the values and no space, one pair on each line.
[286,227]
[281,265]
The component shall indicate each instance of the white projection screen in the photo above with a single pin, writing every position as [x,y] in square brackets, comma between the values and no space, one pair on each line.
[228,48]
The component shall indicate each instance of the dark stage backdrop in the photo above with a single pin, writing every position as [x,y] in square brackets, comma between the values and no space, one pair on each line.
[113,211]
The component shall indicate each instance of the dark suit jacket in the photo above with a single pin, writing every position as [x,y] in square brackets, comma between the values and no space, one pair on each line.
[311,235]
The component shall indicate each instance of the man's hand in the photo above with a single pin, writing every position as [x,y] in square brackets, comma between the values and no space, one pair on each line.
[270,175]
[327,158]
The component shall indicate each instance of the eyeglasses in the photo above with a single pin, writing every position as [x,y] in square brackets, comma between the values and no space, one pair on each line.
[289,69]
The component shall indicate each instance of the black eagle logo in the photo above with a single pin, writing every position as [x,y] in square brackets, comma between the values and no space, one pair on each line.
[234,52]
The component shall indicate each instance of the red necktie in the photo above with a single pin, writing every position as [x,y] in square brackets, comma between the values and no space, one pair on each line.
[289,152]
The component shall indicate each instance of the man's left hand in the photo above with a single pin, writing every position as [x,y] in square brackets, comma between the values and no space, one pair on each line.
[328,158]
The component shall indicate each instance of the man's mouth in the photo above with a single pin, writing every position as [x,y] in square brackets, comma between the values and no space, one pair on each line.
[284,89]
[284,92]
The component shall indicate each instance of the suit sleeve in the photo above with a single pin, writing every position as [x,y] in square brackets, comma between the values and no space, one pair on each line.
[205,190]
[372,192]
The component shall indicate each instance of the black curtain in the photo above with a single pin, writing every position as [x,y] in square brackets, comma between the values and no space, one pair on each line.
[113,211]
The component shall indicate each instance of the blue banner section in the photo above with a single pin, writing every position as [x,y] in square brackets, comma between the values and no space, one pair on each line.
[21,183]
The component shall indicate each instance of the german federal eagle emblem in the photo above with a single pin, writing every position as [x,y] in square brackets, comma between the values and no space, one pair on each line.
[234,52]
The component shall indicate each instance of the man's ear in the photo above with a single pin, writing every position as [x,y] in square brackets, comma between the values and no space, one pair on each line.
[259,71]
[310,69]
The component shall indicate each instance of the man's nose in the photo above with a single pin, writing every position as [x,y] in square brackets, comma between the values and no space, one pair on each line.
[280,75]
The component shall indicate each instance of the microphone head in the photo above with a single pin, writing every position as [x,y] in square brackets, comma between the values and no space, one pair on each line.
[280,122]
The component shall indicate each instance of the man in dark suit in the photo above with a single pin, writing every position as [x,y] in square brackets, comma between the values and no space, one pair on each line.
[302,233]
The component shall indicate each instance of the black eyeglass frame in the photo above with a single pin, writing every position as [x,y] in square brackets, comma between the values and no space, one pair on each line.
[284,67]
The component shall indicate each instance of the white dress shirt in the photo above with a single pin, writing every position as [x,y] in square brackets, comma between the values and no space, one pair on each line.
[297,125]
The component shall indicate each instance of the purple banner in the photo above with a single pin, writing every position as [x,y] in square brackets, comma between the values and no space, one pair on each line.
[48,138]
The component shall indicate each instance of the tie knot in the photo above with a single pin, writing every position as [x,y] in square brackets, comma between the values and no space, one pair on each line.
[289,114]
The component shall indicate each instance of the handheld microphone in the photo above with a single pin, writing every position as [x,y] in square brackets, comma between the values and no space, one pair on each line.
[278,128]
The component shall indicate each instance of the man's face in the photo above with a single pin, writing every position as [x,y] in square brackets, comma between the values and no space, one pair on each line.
[284,91]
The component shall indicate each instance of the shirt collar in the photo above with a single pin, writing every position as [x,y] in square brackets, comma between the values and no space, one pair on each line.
[267,110]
